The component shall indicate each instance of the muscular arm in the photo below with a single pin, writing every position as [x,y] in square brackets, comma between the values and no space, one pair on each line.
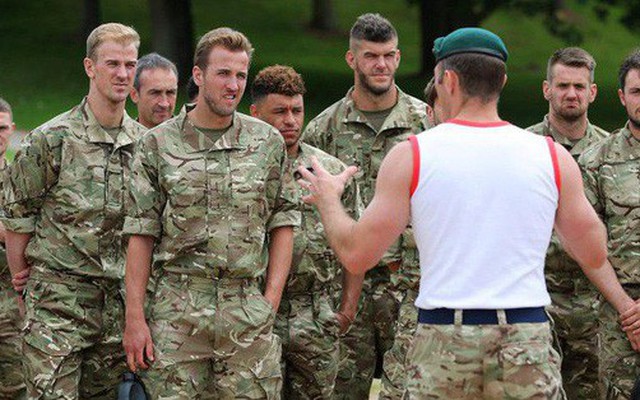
[583,235]
[137,337]
[360,245]
[280,253]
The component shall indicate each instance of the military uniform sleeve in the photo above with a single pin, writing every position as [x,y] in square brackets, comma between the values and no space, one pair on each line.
[146,200]
[28,179]
[313,136]
[351,199]
[281,192]
[590,168]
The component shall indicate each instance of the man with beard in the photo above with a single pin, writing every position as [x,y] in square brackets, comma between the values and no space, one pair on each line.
[209,210]
[306,322]
[64,207]
[611,172]
[570,89]
[11,380]
[359,130]
[155,89]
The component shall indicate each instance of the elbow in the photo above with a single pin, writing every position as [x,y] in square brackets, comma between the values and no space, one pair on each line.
[597,259]
[356,264]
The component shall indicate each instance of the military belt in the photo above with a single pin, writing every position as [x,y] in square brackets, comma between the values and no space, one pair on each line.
[447,316]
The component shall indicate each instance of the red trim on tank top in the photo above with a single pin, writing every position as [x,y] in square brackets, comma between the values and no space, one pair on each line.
[554,161]
[416,163]
[478,124]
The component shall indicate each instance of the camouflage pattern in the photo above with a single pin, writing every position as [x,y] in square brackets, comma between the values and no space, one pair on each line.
[619,362]
[11,380]
[611,172]
[210,206]
[515,361]
[574,300]
[344,132]
[213,339]
[394,372]
[308,328]
[306,322]
[67,187]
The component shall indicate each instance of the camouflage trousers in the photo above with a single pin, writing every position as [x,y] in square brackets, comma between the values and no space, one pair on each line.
[73,337]
[363,347]
[212,339]
[509,361]
[308,328]
[620,365]
[11,380]
[394,367]
[574,310]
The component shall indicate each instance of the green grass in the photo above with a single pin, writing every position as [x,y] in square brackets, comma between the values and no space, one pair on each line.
[42,71]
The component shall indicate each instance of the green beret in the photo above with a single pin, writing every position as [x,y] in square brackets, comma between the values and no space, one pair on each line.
[470,40]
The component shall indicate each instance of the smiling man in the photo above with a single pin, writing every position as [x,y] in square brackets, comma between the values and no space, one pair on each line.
[155,89]
[570,89]
[210,211]
[359,130]
[64,204]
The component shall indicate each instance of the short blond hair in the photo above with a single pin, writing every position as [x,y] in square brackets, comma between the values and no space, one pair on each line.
[227,38]
[111,31]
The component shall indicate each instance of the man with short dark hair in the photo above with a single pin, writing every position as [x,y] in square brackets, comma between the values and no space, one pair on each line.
[211,211]
[483,331]
[612,185]
[64,207]
[11,379]
[570,88]
[155,89]
[359,130]
[306,322]
[434,108]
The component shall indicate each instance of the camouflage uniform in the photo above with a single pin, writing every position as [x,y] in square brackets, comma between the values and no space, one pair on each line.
[210,206]
[306,322]
[574,300]
[67,187]
[344,132]
[612,183]
[510,361]
[11,379]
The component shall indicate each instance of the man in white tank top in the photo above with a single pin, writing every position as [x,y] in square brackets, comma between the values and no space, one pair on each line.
[483,197]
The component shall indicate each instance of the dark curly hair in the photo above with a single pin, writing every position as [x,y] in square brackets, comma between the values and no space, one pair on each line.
[277,79]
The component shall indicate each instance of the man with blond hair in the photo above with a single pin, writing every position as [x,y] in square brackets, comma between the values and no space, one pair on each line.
[570,89]
[208,207]
[64,201]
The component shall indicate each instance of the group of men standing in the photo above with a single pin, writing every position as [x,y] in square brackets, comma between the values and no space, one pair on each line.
[231,289]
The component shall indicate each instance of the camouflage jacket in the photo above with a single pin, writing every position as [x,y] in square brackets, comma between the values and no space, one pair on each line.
[210,204]
[344,132]
[611,173]
[314,263]
[557,260]
[68,186]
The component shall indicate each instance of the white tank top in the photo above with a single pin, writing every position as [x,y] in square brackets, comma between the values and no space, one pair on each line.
[483,204]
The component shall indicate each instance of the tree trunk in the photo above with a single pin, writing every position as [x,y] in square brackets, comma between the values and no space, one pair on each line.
[323,16]
[172,33]
[91,17]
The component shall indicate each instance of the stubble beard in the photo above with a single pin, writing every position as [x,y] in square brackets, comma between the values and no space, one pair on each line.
[211,104]
[374,90]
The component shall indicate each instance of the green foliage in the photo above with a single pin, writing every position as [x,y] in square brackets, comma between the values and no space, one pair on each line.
[42,72]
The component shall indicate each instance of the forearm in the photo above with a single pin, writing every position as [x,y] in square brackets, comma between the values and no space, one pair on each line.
[16,244]
[280,254]
[137,270]
[605,279]
[351,290]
